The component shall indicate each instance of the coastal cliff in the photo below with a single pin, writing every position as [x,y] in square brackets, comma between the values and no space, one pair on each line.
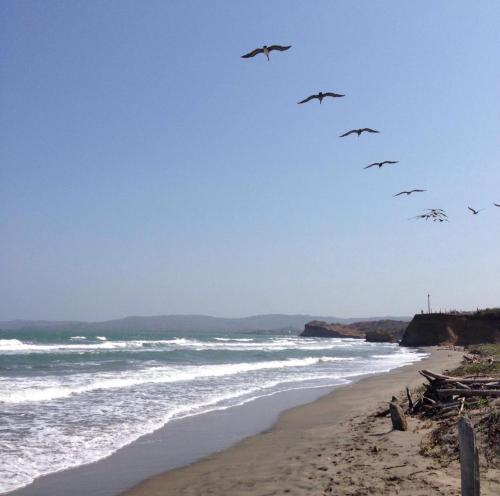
[320,329]
[371,330]
[453,329]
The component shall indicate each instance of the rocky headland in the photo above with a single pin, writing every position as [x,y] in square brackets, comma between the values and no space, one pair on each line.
[371,330]
[456,329]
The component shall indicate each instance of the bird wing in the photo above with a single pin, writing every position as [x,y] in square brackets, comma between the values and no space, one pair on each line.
[279,47]
[348,133]
[472,210]
[253,53]
[309,98]
[371,165]
[334,95]
[368,130]
[389,162]
[402,193]
[417,190]
[496,204]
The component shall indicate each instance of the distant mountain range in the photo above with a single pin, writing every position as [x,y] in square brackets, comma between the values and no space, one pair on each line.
[180,323]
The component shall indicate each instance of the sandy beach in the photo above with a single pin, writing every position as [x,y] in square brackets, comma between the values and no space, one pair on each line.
[331,446]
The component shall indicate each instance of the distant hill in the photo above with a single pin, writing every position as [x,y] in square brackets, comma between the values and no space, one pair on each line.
[185,323]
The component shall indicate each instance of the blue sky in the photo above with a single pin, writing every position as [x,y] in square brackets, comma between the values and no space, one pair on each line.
[145,168]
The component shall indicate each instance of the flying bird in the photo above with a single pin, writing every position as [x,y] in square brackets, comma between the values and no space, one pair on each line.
[380,164]
[436,214]
[421,216]
[410,192]
[265,50]
[320,97]
[475,212]
[359,131]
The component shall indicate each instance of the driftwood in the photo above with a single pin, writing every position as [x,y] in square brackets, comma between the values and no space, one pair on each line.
[495,393]
[410,402]
[447,378]
[469,460]
[397,417]
[445,395]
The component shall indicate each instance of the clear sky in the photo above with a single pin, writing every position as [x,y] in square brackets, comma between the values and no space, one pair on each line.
[145,168]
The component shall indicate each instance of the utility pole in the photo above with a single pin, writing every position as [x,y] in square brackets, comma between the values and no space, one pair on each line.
[428,303]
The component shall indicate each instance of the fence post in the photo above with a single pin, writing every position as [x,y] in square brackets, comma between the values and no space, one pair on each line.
[469,459]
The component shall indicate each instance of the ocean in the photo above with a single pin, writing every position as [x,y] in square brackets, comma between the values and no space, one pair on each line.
[68,400]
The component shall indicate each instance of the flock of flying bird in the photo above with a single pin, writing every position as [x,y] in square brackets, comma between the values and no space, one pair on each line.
[434,214]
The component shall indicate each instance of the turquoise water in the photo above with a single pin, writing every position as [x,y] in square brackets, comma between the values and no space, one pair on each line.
[69,399]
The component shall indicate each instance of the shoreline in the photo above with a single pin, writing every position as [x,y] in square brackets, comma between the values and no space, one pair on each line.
[166,449]
[276,461]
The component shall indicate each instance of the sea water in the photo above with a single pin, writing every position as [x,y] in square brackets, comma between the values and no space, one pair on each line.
[69,399]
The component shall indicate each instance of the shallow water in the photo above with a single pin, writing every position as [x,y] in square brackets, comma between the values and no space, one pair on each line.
[68,399]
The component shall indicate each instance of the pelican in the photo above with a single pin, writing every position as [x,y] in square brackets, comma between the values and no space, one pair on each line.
[436,212]
[421,216]
[410,192]
[265,50]
[320,97]
[380,164]
[475,212]
[359,131]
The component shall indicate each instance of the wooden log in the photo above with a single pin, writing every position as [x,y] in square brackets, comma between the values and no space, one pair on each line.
[494,393]
[397,417]
[430,400]
[417,405]
[469,460]
[464,380]
[449,408]
[410,402]
[383,413]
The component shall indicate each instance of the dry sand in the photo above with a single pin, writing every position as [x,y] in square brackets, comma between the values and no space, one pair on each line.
[331,446]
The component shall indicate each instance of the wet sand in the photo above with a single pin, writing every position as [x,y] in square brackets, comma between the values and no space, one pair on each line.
[330,446]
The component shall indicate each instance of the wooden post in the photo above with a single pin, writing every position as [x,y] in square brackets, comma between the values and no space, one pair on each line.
[469,459]
[397,417]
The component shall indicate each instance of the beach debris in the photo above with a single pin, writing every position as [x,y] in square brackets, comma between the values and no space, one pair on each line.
[359,131]
[380,164]
[410,402]
[409,192]
[398,418]
[445,395]
[265,50]
[320,97]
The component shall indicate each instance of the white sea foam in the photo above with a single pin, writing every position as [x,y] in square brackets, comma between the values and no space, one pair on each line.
[50,388]
[11,346]
[54,422]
